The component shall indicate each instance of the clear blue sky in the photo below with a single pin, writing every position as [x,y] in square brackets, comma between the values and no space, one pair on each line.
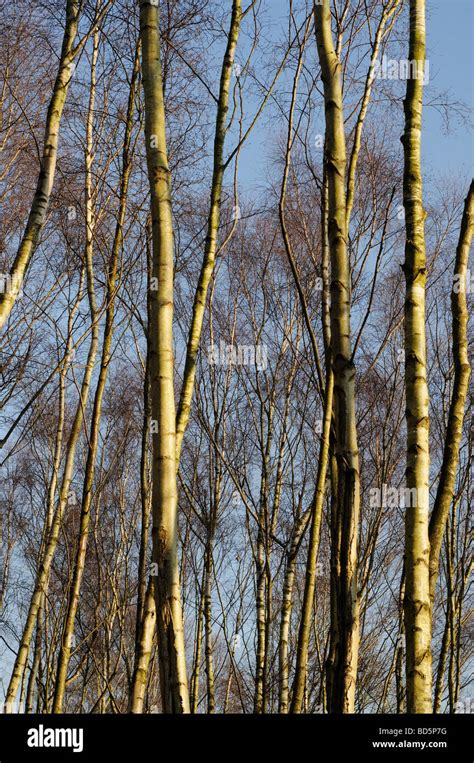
[450,41]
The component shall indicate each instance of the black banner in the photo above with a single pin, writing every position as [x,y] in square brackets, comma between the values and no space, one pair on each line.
[98,737]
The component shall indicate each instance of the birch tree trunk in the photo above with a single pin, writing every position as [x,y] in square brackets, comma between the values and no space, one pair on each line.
[145,627]
[462,373]
[144,649]
[171,652]
[299,683]
[311,568]
[79,563]
[342,697]
[208,647]
[207,268]
[197,649]
[417,546]
[285,621]
[52,541]
[45,182]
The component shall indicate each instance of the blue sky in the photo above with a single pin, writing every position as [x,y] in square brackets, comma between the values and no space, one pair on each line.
[450,40]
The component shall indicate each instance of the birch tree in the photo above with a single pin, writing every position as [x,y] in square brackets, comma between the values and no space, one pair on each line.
[169,616]
[462,373]
[40,203]
[417,545]
[343,663]
[73,600]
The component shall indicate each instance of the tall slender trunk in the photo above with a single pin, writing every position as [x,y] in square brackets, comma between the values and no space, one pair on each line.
[39,207]
[462,373]
[417,546]
[285,621]
[33,677]
[445,645]
[171,650]
[345,655]
[450,607]
[198,650]
[261,562]
[64,652]
[54,519]
[145,626]
[145,500]
[144,648]
[311,568]
[80,559]
[146,611]
[53,537]
[184,407]
[208,564]
[259,696]
[207,268]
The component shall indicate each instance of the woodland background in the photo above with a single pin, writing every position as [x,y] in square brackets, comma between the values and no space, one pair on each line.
[77,615]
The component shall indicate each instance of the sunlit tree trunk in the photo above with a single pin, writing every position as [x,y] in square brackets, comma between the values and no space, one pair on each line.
[259,695]
[64,493]
[33,677]
[261,560]
[143,566]
[145,627]
[342,696]
[45,182]
[86,505]
[417,546]
[388,11]
[207,268]
[169,616]
[462,373]
[285,621]
[143,649]
[311,563]
[299,683]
